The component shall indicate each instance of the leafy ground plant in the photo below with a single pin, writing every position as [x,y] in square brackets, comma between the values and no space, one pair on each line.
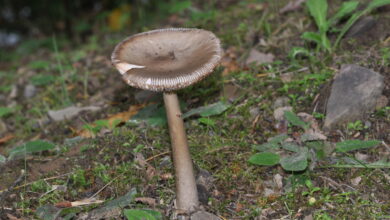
[295,155]
[318,9]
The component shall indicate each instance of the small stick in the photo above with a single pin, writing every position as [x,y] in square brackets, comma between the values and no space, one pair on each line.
[152,157]
[27,184]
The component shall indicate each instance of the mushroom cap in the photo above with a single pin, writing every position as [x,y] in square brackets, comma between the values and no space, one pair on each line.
[167,59]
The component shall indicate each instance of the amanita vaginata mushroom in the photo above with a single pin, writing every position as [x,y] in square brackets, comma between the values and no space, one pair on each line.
[166,60]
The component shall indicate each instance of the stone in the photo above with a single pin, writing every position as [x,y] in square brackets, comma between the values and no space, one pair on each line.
[279,112]
[202,215]
[281,102]
[254,112]
[29,91]
[354,92]
[362,26]
[257,58]
[70,112]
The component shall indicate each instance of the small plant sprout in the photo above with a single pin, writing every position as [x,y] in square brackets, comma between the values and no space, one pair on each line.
[166,60]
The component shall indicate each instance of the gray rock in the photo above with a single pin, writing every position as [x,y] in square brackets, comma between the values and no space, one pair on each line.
[279,112]
[281,102]
[202,215]
[362,26]
[355,91]
[254,111]
[29,91]
[14,92]
[257,58]
[70,112]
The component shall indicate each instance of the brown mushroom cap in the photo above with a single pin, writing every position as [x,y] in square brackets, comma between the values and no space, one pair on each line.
[167,59]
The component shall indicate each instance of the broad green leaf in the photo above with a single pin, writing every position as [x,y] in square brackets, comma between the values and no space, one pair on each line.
[291,147]
[378,164]
[2,159]
[295,51]
[42,80]
[264,159]
[351,21]
[48,212]
[318,10]
[325,43]
[293,119]
[31,147]
[311,36]
[122,201]
[209,110]
[350,145]
[345,9]
[4,111]
[153,115]
[207,121]
[266,146]
[139,214]
[278,138]
[296,162]
[377,3]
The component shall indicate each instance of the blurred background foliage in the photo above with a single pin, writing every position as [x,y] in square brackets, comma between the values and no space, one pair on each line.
[78,19]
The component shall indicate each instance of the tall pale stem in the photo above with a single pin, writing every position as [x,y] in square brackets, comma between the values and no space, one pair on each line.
[186,192]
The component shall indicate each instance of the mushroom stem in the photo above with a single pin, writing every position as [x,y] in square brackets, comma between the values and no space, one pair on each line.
[186,191]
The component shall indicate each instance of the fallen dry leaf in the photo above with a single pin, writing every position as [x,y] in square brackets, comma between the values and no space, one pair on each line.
[66,204]
[119,117]
[146,200]
[6,138]
[11,217]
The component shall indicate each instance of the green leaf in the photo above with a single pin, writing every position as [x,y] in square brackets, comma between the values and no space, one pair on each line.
[377,3]
[207,121]
[378,164]
[318,10]
[311,36]
[373,5]
[296,162]
[140,214]
[350,145]
[4,111]
[291,147]
[209,110]
[295,51]
[278,138]
[293,119]
[153,115]
[30,147]
[122,201]
[2,159]
[42,80]
[345,9]
[264,159]
[266,146]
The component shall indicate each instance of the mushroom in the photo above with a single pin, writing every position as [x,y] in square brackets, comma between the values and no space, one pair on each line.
[166,60]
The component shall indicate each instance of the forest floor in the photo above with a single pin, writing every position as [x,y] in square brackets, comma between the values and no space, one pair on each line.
[116,145]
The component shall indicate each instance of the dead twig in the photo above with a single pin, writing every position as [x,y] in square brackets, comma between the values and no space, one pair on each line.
[45,179]
[158,155]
